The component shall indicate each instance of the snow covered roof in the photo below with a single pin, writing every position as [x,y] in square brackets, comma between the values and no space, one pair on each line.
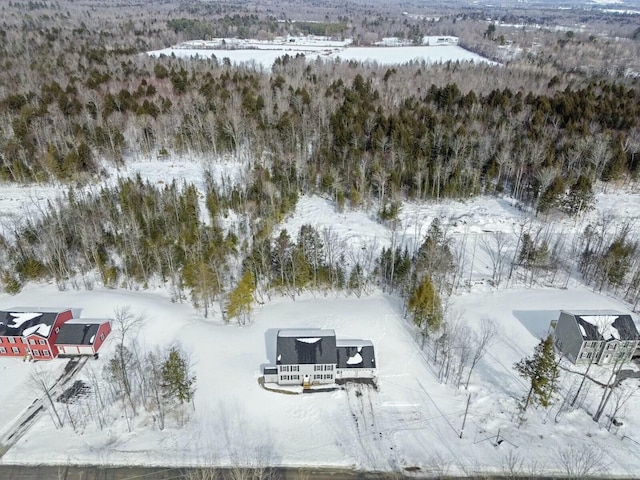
[86,321]
[354,342]
[605,325]
[23,321]
[582,313]
[306,332]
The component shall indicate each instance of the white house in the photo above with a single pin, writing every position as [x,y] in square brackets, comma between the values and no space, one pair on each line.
[314,357]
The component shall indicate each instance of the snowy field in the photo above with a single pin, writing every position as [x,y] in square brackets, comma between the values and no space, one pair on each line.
[410,422]
[264,54]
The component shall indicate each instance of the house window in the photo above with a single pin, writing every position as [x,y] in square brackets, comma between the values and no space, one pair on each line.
[102,336]
[45,353]
[36,353]
[12,340]
[284,377]
[295,368]
[22,340]
[15,349]
[328,367]
[32,341]
[317,368]
[3,350]
[57,330]
[42,342]
[284,368]
[295,377]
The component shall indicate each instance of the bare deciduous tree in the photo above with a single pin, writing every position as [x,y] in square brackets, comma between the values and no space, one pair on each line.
[482,342]
[496,246]
[40,382]
[582,461]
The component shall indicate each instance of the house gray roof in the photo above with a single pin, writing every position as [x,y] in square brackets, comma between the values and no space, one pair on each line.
[79,332]
[605,325]
[23,321]
[306,346]
[356,354]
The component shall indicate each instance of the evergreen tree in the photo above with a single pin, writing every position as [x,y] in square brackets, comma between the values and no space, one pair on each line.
[240,300]
[425,307]
[616,261]
[541,370]
[178,381]
[552,196]
[580,197]
[527,255]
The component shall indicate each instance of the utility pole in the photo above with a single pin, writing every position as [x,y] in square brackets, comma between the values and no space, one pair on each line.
[464,419]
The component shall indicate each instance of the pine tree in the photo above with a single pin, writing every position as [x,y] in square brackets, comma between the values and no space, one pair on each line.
[240,300]
[177,379]
[580,197]
[541,369]
[425,307]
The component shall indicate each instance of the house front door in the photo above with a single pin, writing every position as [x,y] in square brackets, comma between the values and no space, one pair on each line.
[306,381]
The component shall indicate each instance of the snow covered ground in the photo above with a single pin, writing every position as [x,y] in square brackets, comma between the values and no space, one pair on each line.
[433,50]
[411,421]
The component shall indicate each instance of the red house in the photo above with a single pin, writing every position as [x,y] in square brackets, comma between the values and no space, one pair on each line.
[82,336]
[31,331]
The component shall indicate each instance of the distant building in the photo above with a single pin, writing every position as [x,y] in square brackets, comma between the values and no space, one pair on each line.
[82,336]
[596,336]
[31,332]
[310,357]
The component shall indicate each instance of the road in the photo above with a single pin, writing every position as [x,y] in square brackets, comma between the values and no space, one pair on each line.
[10,472]
[15,472]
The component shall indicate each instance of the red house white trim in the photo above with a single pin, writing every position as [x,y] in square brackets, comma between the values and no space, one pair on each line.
[82,336]
[31,332]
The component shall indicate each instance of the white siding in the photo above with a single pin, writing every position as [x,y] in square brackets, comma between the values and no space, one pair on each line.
[347,373]
[313,374]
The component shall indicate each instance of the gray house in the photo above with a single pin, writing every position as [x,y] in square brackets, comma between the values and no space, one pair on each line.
[314,357]
[596,336]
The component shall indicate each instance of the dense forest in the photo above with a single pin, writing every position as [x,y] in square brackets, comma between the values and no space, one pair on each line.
[78,92]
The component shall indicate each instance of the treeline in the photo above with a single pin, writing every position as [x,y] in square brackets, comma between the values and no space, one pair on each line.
[362,139]
[357,132]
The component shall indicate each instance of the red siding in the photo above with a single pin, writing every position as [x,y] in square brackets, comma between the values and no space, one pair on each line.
[61,318]
[40,347]
[20,345]
[104,329]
